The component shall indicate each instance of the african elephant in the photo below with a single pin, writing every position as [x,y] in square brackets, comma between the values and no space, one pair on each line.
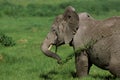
[97,42]
[94,42]
[60,33]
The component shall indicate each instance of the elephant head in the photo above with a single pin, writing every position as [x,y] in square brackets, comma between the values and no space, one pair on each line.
[62,32]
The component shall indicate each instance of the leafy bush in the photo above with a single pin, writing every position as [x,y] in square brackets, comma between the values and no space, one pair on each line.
[6,41]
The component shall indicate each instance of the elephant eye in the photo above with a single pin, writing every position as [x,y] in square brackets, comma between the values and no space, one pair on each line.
[53,30]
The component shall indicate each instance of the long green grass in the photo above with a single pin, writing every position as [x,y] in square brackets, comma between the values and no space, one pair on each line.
[25,61]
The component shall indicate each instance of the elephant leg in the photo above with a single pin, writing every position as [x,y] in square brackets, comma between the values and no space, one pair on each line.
[82,64]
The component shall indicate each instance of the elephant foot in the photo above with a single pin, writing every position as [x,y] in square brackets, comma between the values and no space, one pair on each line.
[82,71]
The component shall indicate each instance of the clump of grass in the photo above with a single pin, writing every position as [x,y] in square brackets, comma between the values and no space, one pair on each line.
[6,41]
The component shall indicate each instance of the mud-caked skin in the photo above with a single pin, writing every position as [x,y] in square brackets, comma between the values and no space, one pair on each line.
[94,42]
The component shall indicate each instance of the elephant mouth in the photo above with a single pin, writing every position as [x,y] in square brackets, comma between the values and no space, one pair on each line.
[59,44]
[49,48]
[56,46]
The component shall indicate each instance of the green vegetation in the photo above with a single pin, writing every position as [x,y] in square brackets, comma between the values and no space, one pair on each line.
[28,22]
[6,41]
[48,8]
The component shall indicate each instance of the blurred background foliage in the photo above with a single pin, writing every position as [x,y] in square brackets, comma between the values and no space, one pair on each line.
[55,7]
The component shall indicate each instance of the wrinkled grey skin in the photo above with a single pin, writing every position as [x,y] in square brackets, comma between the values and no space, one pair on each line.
[94,42]
[97,42]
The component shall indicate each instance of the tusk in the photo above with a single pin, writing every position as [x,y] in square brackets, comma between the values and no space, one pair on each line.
[50,47]
[74,32]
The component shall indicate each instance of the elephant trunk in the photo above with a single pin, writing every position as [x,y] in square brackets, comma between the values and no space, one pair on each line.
[46,46]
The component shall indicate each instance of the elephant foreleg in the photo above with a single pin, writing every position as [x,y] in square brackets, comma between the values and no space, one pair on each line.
[82,64]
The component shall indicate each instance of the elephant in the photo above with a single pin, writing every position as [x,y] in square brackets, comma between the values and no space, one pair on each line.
[61,34]
[94,41]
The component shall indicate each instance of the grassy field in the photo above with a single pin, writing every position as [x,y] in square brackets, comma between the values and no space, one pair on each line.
[25,61]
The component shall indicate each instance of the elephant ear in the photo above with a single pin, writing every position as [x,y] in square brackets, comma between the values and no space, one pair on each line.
[72,20]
